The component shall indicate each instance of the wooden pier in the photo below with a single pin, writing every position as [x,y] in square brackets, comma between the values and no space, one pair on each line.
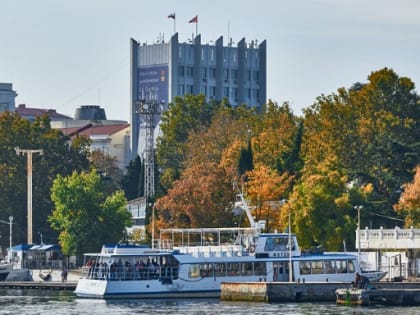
[385,296]
[38,285]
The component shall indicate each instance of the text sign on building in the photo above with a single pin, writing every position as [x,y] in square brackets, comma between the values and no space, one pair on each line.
[153,83]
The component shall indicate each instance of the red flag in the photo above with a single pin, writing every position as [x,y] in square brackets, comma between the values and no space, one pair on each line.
[171,16]
[194,19]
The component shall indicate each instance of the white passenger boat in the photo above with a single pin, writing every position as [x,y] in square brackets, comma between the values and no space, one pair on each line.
[194,263]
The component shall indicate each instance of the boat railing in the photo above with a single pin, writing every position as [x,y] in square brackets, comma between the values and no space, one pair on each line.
[208,240]
[214,251]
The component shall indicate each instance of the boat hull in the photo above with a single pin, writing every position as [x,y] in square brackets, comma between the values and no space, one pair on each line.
[102,289]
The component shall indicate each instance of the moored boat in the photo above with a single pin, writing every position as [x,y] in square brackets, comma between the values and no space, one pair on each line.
[194,263]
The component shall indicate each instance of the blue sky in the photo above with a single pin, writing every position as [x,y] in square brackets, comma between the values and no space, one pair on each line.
[62,54]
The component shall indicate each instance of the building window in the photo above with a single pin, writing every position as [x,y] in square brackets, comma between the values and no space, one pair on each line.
[212,73]
[212,54]
[190,89]
[189,71]
[212,91]
[204,74]
[234,74]
[226,75]
[235,93]
[181,71]
[181,89]
[226,92]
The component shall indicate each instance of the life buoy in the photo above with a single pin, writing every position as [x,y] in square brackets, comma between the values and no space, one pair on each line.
[251,249]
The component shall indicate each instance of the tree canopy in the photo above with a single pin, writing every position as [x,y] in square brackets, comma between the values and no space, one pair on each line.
[84,215]
[60,156]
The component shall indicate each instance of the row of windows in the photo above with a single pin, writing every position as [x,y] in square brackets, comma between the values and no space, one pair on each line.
[227,270]
[210,73]
[227,91]
[326,267]
[208,53]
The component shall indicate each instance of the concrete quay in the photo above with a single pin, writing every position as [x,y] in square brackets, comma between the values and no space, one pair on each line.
[38,285]
[297,292]
[378,296]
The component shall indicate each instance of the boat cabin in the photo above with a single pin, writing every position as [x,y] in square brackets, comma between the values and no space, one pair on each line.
[277,245]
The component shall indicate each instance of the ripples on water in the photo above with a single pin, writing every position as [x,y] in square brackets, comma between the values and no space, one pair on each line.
[64,303]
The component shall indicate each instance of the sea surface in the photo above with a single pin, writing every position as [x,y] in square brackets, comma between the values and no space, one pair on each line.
[62,303]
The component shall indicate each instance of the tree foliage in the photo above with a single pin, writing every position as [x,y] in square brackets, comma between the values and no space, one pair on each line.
[185,115]
[60,156]
[409,203]
[133,181]
[84,215]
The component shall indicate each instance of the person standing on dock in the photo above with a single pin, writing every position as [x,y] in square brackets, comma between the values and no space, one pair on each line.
[361,282]
[64,274]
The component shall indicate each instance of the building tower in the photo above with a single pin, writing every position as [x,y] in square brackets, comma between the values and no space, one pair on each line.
[170,69]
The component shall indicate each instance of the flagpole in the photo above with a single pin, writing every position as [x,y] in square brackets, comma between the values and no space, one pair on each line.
[196,26]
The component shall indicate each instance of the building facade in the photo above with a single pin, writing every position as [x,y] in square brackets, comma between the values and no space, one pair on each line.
[7,97]
[164,70]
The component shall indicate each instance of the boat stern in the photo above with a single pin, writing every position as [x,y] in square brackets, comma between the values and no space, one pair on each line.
[89,288]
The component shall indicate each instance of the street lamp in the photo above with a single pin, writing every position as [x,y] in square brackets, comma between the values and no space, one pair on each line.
[358,208]
[10,237]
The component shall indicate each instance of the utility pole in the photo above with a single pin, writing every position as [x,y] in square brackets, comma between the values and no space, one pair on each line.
[29,154]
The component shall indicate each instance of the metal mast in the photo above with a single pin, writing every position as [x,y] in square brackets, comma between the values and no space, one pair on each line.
[149,110]
[29,170]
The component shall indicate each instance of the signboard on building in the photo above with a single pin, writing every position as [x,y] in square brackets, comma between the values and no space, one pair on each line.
[153,83]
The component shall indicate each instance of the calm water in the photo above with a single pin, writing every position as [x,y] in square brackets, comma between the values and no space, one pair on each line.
[49,302]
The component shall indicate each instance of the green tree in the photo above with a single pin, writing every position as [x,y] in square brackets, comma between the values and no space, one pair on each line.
[133,181]
[84,215]
[60,156]
[185,115]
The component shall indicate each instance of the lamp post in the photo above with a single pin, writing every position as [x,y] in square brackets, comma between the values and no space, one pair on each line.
[290,246]
[283,202]
[358,208]
[29,154]
[10,238]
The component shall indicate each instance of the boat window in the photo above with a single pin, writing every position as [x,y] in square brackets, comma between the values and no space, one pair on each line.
[194,271]
[219,270]
[246,269]
[329,266]
[305,267]
[350,266]
[233,269]
[260,269]
[317,267]
[276,244]
[268,244]
[341,266]
[206,270]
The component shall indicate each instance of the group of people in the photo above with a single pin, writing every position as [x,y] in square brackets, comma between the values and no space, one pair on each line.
[118,270]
